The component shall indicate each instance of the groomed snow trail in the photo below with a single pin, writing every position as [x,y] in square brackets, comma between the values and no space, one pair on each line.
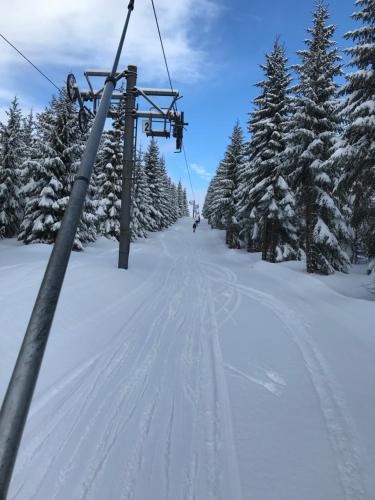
[186,377]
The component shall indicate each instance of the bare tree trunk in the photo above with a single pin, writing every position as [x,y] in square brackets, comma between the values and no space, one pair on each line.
[265,240]
[273,241]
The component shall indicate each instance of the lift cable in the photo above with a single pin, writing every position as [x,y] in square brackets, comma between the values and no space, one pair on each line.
[170,83]
[162,48]
[188,170]
[28,60]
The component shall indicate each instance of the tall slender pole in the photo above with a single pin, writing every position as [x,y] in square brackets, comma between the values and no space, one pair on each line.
[21,387]
[128,168]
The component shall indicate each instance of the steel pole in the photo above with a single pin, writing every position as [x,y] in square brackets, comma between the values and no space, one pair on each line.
[128,168]
[21,387]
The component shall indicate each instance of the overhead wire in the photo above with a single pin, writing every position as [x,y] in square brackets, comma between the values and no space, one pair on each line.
[170,83]
[30,62]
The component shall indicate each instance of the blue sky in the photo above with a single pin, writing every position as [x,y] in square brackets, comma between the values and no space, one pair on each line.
[214,50]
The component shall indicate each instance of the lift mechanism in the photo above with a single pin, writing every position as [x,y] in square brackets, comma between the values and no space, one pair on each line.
[159,122]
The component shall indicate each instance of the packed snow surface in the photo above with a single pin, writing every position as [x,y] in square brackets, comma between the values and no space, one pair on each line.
[199,373]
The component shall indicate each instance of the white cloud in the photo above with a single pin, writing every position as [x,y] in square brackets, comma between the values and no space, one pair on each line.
[86,33]
[201,171]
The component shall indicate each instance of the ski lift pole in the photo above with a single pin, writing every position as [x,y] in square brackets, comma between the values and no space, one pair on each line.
[21,387]
[127,172]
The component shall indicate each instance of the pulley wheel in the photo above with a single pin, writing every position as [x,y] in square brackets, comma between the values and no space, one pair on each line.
[71,87]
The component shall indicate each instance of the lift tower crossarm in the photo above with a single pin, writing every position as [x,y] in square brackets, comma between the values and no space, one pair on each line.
[101,72]
[152,114]
[140,92]
[159,92]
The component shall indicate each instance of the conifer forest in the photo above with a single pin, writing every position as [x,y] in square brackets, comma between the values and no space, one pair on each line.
[303,185]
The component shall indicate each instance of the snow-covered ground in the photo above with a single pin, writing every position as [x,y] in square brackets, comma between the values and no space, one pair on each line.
[200,373]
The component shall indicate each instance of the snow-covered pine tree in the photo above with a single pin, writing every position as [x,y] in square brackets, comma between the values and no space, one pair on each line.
[354,155]
[12,152]
[174,201]
[270,198]
[180,200]
[51,171]
[313,128]
[227,183]
[152,169]
[208,200]
[185,204]
[246,215]
[28,134]
[141,221]
[165,203]
[88,226]
[109,182]
[215,204]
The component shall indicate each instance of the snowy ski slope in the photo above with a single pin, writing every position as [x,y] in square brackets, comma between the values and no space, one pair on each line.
[200,373]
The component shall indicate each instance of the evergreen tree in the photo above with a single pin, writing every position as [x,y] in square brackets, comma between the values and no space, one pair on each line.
[174,201]
[109,183]
[51,170]
[154,181]
[28,138]
[141,221]
[313,128]
[180,200]
[165,202]
[354,155]
[185,204]
[11,156]
[88,226]
[270,200]
[215,206]
[206,210]
[226,186]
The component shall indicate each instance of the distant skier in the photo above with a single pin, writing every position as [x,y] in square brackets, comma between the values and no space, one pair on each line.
[194,227]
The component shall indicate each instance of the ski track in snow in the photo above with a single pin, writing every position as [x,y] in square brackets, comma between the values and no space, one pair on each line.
[161,379]
[339,426]
[272,387]
[108,390]
[84,396]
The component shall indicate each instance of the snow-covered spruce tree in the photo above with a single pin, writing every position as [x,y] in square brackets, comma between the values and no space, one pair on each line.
[208,200]
[51,171]
[12,152]
[165,205]
[141,221]
[109,182]
[246,215]
[271,200]
[214,207]
[313,128]
[354,156]
[88,226]
[28,136]
[153,175]
[185,205]
[180,200]
[226,186]
[174,201]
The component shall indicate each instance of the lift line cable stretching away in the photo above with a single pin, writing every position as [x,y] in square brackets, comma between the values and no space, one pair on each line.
[28,60]
[170,83]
